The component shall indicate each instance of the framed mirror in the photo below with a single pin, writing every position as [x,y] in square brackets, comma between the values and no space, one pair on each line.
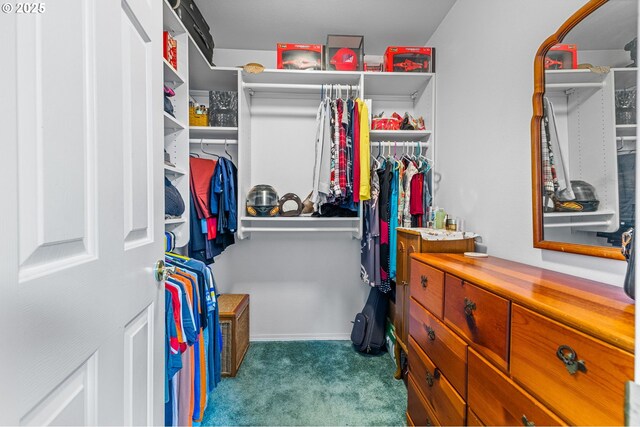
[583,131]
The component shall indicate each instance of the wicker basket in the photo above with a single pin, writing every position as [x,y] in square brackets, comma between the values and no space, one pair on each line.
[234,321]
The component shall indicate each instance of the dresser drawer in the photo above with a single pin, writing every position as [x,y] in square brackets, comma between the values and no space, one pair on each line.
[427,287]
[447,351]
[593,396]
[418,410]
[472,418]
[480,316]
[499,401]
[447,404]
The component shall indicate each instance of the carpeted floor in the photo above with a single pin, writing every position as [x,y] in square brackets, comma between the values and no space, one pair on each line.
[309,383]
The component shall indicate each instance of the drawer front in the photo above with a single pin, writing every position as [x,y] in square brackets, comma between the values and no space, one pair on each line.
[472,418]
[499,401]
[417,409]
[480,316]
[427,287]
[447,404]
[447,351]
[593,396]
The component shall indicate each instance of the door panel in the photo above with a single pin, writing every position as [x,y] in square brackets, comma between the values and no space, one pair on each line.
[137,110]
[74,402]
[57,162]
[138,371]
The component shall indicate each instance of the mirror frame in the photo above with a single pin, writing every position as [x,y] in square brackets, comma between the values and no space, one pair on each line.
[536,163]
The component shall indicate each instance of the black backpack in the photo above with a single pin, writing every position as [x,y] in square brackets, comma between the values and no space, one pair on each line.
[367,334]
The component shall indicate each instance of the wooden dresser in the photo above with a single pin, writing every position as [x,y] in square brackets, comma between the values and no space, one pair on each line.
[409,242]
[494,342]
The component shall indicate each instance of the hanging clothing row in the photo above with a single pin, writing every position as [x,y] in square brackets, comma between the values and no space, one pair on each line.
[193,340]
[401,188]
[214,219]
[341,168]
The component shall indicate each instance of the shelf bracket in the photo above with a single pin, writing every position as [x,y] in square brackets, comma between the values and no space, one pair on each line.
[251,92]
[414,95]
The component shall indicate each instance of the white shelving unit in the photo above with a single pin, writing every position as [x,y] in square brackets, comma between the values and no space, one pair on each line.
[400,135]
[588,147]
[176,135]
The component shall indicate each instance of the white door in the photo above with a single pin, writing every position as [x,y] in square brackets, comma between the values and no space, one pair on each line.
[81,214]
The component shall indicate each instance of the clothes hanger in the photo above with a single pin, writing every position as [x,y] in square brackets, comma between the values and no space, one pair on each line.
[207,152]
[225,150]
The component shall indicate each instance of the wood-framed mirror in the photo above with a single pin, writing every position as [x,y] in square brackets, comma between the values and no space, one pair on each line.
[583,131]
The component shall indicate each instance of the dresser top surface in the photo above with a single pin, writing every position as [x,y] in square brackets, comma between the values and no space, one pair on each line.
[601,310]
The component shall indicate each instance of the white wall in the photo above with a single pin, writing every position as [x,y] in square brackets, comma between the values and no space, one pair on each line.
[485,82]
[302,286]
[236,57]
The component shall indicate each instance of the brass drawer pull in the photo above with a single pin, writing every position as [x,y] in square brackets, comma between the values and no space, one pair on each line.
[424,281]
[568,357]
[526,422]
[431,377]
[404,283]
[428,422]
[430,332]
[469,307]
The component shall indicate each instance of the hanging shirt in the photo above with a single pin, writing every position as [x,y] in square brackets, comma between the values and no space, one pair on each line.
[385,176]
[393,222]
[201,172]
[355,131]
[415,203]
[365,150]
[370,244]
[173,362]
[322,166]
[408,176]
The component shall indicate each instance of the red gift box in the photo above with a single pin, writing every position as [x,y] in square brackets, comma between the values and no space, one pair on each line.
[170,50]
[300,56]
[410,59]
[561,57]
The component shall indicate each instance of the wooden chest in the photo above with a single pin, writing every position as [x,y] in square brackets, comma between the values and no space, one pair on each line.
[234,322]
[494,342]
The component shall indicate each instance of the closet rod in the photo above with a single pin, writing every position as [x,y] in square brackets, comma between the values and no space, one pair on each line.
[213,141]
[302,87]
[626,138]
[578,224]
[400,144]
[300,229]
[572,85]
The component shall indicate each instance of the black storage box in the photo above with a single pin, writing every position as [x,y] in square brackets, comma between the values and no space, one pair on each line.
[193,20]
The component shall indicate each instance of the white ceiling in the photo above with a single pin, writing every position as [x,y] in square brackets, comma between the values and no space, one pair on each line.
[260,24]
[611,26]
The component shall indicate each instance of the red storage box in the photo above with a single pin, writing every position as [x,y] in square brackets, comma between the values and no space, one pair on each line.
[383,123]
[300,56]
[170,50]
[561,57]
[410,59]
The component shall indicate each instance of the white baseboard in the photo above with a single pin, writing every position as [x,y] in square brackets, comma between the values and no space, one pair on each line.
[300,337]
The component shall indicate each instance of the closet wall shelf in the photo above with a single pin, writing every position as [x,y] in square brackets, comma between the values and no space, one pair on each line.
[298,219]
[570,77]
[395,84]
[174,221]
[196,132]
[171,76]
[202,76]
[171,123]
[399,135]
[583,220]
[174,170]
[626,130]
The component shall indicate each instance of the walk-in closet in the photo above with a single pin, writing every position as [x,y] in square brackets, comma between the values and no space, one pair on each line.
[291,212]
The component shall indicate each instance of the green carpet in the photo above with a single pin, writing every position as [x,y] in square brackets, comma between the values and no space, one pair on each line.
[309,383]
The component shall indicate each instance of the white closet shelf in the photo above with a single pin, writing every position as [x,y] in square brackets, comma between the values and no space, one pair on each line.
[171,76]
[174,221]
[299,219]
[171,21]
[572,77]
[399,135]
[299,77]
[174,170]
[213,132]
[171,123]
[578,219]
[626,130]
[394,84]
